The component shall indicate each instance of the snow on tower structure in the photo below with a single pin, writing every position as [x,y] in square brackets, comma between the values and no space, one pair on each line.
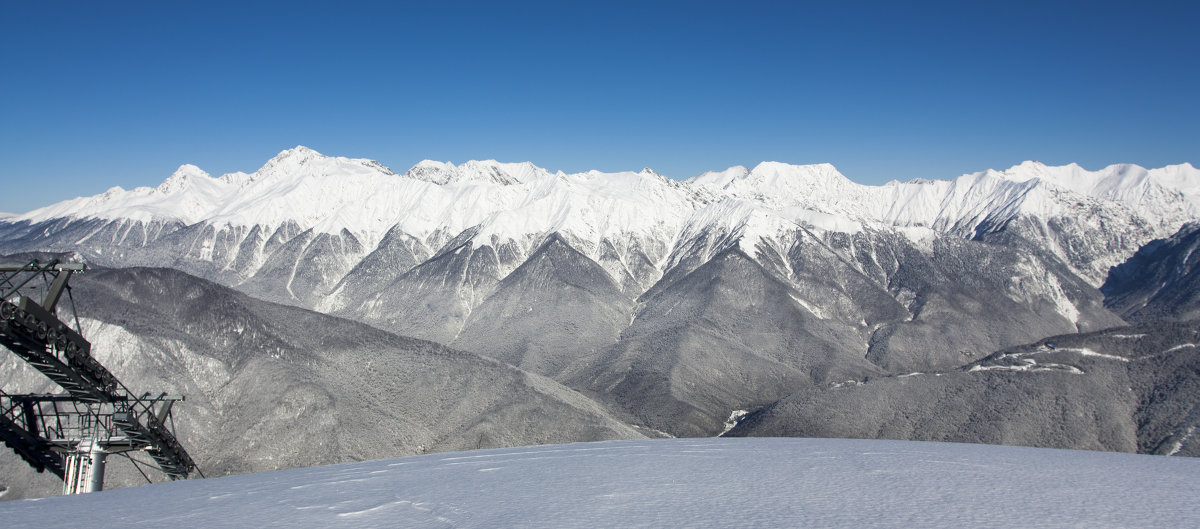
[72,433]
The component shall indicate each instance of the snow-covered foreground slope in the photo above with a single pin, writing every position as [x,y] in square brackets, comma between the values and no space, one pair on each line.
[671,483]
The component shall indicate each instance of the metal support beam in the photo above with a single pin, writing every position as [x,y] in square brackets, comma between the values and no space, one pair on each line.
[61,272]
[27,442]
[85,469]
[97,457]
[55,291]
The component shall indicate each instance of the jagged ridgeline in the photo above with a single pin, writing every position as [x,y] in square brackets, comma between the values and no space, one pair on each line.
[656,303]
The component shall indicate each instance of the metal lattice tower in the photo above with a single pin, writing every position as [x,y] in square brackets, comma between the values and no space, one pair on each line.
[71,434]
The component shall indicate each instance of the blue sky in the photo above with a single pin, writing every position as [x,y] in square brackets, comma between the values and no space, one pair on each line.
[99,94]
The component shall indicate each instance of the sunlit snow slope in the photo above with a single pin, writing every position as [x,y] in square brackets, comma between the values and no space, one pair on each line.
[671,483]
[616,219]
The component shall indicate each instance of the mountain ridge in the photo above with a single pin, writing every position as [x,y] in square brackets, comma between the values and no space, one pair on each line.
[519,203]
[300,163]
[671,302]
[298,228]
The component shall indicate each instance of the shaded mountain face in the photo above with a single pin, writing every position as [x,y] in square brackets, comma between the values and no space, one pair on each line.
[736,334]
[270,386]
[1124,389]
[727,334]
[960,299]
[1160,282]
[556,306]
[433,299]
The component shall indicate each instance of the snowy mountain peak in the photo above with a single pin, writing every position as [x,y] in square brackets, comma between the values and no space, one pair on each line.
[778,184]
[1062,175]
[476,172]
[432,171]
[720,179]
[302,162]
[1185,168]
[182,178]
[501,173]
[1184,176]
[770,177]
[289,159]
[1074,177]
[816,168]
[1130,184]
[817,174]
[1030,164]
[298,153]
[1028,167]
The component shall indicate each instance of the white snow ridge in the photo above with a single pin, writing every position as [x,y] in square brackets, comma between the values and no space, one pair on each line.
[616,218]
[511,200]
[671,483]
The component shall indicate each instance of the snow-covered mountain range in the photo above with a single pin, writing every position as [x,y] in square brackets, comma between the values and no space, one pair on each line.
[502,204]
[513,200]
[671,303]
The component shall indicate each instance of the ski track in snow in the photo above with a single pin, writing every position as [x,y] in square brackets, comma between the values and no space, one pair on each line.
[671,483]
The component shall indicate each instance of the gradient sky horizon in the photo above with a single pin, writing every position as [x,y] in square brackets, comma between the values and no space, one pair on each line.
[102,94]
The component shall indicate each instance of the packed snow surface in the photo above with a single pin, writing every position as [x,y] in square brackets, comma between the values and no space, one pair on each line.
[671,483]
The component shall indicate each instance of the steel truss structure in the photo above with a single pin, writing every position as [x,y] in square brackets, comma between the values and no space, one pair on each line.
[70,434]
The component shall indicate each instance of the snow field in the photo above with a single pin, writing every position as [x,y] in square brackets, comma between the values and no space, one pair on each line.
[756,482]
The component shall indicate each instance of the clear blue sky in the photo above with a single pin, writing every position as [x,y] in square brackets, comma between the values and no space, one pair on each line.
[98,94]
